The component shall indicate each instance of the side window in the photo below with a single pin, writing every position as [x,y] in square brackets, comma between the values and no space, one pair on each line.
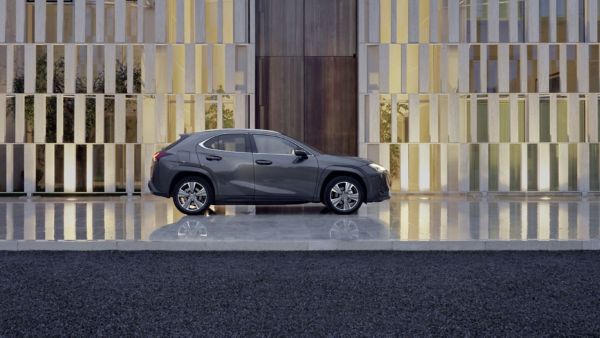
[227,142]
[273,145]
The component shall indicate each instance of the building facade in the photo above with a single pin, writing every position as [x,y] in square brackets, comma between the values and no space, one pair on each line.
[451,95]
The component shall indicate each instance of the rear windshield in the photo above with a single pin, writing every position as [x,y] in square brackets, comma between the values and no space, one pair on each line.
[181,138]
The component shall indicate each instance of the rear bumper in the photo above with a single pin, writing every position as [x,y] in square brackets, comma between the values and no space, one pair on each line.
[155,191]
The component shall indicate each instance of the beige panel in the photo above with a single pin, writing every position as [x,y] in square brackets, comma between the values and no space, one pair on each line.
[39,119]
[69,168]
[120,118]
[109,169]
[29,167]
[79,123]
[49,166]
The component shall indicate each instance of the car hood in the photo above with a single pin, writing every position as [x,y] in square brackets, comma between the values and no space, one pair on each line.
[343,160]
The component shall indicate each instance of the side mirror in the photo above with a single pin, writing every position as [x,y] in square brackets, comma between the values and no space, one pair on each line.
[300,153]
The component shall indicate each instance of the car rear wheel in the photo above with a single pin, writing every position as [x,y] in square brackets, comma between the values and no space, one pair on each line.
[343,195]
[192,195]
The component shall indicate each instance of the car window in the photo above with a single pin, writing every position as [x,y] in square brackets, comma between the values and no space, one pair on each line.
[227,142]
[273,145]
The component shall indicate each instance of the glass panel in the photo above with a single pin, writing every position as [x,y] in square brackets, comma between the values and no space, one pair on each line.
[228,108]
[385,119]
[424,118]
[523,121]
[493,161]
[562,122]
[59,159]
[40,69]
[210,112]
[98,68]
[464,20]
[51,26]
[594,69]
[18,168]
[395,166]
[554,68]
[98,167]
[81,70]
[121,69]
[482,22]
[474,167]
[515,68]
[402,118]
[573,166]
[90,119]
[482,121]
[237,142]
[544,20]
[594,167]
[3,159]
[80,165]
[532,168]
[492,69]
[452,69]
[545,119]
[131,119]
[68,119]
[109,22]
[109,119]
[29,118]
[582,119]
[51,112]
[504,17]
[554,160]
[40,170]
[515,167]
[532,69]
[561,20]
[120,170]
[474,69]
[273,145]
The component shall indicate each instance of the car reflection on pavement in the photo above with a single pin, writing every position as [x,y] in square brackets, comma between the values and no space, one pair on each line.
[272,227]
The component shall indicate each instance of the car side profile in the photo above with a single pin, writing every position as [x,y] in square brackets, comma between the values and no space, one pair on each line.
[251,166]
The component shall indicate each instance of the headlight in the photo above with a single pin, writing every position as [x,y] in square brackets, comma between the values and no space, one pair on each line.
[377,167]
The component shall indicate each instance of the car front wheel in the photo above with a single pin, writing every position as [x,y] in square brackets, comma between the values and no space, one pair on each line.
[192,195]
[343,195]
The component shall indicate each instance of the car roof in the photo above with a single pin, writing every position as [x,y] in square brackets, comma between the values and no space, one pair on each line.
[238,130]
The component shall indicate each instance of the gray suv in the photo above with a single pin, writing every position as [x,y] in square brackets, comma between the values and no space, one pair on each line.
[251,166]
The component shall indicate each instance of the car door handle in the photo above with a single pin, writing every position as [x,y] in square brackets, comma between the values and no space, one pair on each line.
[263,162]
[213,158]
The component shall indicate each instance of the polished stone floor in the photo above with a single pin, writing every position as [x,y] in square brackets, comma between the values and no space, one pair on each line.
[405,222]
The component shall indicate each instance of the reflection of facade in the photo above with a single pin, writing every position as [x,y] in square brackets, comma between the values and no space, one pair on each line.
[457,96]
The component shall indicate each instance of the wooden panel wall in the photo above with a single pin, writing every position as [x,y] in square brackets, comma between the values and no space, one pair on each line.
[281,95]
[279,27]
[330,28]
[307,71]
[330,103]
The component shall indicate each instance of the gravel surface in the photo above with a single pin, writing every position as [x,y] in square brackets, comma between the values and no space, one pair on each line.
[299,293]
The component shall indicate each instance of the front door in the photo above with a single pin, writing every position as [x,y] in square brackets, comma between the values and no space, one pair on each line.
[229,160]
[279,175]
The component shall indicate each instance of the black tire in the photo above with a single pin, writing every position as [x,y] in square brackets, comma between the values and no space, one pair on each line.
[339,206]
[199,202]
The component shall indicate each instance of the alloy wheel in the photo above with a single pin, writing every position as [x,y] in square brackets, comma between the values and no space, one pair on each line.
[192,196]
[344,196]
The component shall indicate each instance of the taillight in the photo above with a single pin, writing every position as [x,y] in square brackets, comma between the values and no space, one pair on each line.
[158,155]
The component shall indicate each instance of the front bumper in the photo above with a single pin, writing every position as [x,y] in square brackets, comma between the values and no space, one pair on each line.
[379,187]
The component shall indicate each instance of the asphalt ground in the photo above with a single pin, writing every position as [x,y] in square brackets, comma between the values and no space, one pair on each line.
[299,293]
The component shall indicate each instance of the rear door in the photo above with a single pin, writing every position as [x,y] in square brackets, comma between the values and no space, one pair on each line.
[279,175]
[229,160]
